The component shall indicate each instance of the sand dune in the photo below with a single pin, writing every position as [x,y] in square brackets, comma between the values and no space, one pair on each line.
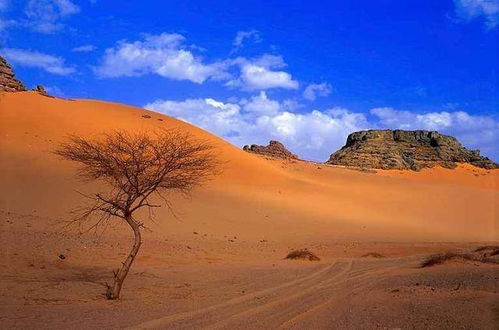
[219,264]
[255,195]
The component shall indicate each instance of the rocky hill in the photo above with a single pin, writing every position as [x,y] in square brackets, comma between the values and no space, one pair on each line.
[275,149]
[8,81]
[412,150]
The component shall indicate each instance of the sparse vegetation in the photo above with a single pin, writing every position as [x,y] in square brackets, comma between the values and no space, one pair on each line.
[490,250]
[436,259]
[136,167]
[440,258]
[303,254]
[373,255]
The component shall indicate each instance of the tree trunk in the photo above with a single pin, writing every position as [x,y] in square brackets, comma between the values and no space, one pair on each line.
[113,292]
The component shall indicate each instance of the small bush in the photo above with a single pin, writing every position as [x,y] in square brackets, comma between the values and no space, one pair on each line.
[440,258]
[490,250]
[302,254]
[373,255]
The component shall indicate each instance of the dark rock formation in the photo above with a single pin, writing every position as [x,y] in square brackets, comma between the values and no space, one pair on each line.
[40,89]
[275,149]
[412,150]
[8,81]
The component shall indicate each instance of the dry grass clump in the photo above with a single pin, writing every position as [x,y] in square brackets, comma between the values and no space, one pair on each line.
[440,258]
[373,255]
[302,254]
[490,250]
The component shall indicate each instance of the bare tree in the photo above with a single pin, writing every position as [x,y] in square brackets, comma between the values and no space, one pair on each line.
[136,167]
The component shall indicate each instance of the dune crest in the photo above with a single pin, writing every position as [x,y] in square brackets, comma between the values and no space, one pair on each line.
[254,196]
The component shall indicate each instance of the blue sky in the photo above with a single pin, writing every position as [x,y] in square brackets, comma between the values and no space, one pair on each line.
[306,73]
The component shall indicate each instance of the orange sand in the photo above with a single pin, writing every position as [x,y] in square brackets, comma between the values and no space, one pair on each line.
[220,263]
[254,197]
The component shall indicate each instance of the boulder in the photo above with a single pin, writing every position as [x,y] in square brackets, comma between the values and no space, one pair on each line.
[275,149]
[40,89]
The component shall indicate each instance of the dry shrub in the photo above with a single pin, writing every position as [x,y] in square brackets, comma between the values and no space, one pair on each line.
[489,250]
[302,254]
[440,258]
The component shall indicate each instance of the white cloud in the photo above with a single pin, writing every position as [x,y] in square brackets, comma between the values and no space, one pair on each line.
[479,132]
[220,118]
[45,16]
[84,49]
[49,63]
[260,74]
[162,54]
[313,90]
[242,36]
[261,104]
[469,10]
[166,55]
[258,77]
[313,135]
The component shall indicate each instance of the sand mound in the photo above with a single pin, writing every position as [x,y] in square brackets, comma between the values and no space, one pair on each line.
[254,198]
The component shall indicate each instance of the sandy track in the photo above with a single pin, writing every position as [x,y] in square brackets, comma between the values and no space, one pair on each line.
[289,304]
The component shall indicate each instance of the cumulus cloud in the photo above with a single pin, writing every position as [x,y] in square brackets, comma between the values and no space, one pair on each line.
[243,36]
[52,64]
[262,73]
[258,77]
[315,134]
[469,10]
[164,54]
[313,90]
[84,49]
[167,55]
[478,132]
[45,16]
[261,104]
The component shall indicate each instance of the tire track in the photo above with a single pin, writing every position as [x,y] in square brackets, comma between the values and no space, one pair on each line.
[283,306]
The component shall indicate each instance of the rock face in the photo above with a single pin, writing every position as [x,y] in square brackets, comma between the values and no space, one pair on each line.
[412,150]
[275,149]
[8,81]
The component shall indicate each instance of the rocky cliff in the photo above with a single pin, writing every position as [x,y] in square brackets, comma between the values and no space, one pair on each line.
[8,81]
[275,149]
[412,150]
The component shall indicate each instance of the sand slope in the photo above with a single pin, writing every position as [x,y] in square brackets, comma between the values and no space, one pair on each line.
[254,197]
[220,263]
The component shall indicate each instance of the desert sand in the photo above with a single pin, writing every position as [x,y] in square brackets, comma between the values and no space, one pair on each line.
[219,262]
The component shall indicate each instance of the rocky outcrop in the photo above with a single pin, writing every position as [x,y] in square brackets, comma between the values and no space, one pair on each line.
[40,89]
[412,150]
[8,81]
[275,149]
